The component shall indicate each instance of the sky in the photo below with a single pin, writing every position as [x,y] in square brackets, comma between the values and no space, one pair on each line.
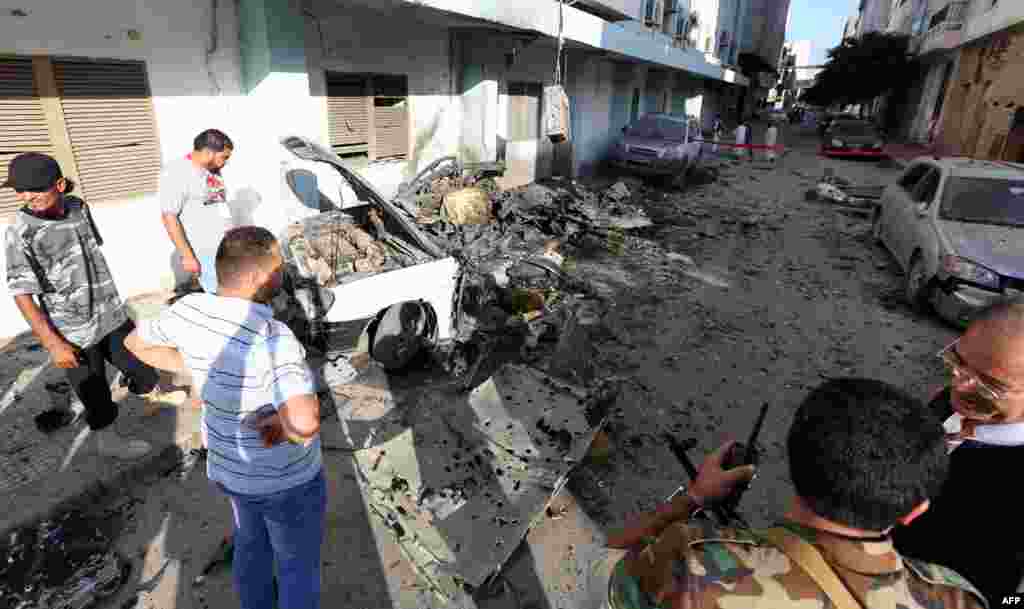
[820,21]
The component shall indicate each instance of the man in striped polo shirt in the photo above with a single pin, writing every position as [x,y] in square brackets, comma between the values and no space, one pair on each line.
[261,417]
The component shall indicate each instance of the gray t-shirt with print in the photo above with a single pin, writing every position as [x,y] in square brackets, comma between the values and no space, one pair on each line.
[59,262]
[198,198]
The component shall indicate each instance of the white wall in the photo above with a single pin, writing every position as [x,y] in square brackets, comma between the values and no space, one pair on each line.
[365,41]
[192,92]
[593,90]
[802,50]
[984,18]
[707,26]
[627,38]
[186,100]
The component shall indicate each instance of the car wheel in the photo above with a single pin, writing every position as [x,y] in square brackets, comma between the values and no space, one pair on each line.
[919,285]
[876,226]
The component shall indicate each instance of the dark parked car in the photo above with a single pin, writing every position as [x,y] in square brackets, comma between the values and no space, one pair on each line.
[853,137]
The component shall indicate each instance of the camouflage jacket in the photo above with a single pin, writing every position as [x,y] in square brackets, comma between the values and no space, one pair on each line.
[706,567]
[59,261]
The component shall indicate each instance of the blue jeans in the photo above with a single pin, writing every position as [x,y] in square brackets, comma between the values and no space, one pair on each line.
[287,526]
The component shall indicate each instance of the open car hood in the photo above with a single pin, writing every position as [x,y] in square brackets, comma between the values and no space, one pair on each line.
[308,150]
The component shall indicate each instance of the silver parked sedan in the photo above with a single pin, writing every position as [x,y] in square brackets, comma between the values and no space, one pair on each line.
[956,227]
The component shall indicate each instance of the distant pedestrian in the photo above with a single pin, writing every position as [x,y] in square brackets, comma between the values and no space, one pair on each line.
[261,417]
[63,288]
[195,209]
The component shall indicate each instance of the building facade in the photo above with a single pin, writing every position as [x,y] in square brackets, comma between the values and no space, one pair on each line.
[966,97]
[874,16]
[115,89]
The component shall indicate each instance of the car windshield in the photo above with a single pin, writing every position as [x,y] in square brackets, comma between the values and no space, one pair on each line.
[658,128]
[984,201]
[852,128]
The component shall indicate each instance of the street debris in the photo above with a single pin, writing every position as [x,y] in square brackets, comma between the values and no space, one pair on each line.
[836,189]
[460,479]
[59,564]
[467,206]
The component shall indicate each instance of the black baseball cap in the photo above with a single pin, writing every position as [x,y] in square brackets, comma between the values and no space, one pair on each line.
[32,171]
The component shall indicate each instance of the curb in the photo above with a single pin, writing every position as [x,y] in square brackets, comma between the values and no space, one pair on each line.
[159,463]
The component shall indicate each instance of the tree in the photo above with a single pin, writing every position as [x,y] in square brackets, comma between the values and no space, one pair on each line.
[862,69]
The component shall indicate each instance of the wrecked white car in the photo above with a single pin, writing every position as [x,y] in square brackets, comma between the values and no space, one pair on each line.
[348,264]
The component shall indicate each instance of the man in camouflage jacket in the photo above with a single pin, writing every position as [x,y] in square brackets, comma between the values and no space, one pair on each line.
[863,458]
[61,284]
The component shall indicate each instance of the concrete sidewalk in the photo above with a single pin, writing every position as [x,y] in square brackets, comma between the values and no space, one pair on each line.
[41,474]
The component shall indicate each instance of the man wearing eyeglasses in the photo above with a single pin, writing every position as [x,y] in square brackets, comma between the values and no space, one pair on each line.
[974,526]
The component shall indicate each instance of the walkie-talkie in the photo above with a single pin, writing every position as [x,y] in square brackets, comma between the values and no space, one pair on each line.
[739,455]
[743,454]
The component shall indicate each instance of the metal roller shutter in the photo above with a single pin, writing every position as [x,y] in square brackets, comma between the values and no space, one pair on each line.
[348,111]
[391,117]
[22,121]
[109,118]
[392,129]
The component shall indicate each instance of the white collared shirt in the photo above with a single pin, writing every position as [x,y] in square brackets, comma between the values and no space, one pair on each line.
[1000,434]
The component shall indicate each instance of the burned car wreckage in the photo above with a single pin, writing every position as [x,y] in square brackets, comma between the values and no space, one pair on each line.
[458,276]
[452,252]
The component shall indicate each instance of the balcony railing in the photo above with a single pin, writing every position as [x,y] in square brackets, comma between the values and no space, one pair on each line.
[944,29]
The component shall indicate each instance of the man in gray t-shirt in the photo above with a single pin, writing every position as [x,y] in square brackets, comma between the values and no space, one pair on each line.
[195,210]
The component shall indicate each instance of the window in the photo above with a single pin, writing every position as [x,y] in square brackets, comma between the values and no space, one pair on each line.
[94,116]
[22,121]
[913,176]
[368,115]
[108,115]
[939,17]
[926,188]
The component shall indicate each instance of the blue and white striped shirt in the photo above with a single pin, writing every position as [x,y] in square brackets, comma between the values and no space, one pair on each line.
[247,365]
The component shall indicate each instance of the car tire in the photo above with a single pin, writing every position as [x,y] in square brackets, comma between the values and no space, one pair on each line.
[919,285]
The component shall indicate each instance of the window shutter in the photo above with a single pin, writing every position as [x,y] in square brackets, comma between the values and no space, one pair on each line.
[391,117]
[348,112]
[109,117]
[22,121]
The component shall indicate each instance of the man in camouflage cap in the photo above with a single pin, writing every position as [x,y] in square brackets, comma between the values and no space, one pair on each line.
[863,457]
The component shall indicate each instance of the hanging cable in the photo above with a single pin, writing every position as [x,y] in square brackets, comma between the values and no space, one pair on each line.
[561,42]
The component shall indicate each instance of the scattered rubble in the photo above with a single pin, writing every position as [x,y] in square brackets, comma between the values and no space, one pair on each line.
[461,478]
[836,189]
[64,564]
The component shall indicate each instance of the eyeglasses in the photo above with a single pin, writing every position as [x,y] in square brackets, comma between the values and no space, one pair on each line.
[959,369]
